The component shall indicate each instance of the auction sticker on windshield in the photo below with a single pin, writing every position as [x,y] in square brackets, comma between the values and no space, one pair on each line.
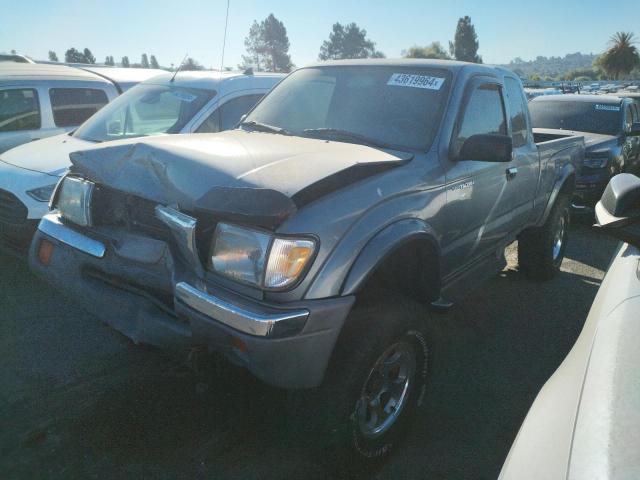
[416,81]
[608,108]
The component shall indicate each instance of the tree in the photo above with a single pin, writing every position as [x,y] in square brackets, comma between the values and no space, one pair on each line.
[348,41]
[144,62]
[621,58]
[275,45]
[74,56]
[191,64]
[434,50]
[88,56]
[153,63]
[253,43]
[267,47]
[109,61]
[465,43]
[125,62]
[53,57]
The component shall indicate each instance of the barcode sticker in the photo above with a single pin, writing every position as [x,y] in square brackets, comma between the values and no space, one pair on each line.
[415,81]
[607,108]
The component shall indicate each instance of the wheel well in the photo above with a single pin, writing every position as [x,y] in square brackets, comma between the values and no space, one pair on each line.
[569,185]
[411,268]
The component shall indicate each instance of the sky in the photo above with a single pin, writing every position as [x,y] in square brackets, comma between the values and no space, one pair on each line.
[170,29]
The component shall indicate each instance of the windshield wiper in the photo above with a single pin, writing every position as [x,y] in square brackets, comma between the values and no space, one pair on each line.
[263,127]
[346,135]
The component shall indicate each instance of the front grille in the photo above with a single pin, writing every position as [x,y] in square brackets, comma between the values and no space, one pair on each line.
[12,210]
[111,207]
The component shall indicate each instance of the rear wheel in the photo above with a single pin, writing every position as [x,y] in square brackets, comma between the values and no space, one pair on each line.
[541,250]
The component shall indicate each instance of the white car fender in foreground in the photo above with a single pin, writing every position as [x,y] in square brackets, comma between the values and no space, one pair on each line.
[585,422]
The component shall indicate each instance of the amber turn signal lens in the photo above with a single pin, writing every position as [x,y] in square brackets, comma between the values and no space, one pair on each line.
[45,251]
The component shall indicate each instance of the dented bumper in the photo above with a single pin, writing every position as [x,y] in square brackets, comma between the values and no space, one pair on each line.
[145,294]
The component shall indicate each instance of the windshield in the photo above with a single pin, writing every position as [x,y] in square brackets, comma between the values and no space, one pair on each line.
[398,107]
[589,117]
[144,110]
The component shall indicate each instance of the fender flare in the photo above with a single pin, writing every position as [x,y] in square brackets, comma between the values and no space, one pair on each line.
[383,244]
[564,174]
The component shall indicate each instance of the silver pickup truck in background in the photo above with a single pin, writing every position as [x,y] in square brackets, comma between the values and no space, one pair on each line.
[300,244]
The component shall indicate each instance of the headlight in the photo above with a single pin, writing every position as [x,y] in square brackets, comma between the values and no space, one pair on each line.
[258,259]
[74,200]
[596,160]
[42,194]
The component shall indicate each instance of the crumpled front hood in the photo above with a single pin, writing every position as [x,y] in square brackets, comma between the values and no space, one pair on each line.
[235,172]
[49,155]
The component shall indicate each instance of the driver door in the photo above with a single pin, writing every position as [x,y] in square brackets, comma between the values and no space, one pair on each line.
[476,190]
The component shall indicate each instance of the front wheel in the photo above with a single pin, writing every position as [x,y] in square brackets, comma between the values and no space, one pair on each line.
[376,379]
[541,250]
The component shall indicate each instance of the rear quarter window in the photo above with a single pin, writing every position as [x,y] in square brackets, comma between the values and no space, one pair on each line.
[19,110]
[72,106]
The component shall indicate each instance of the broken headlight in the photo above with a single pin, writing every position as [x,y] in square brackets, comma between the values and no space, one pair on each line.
[257,258]
[73,200]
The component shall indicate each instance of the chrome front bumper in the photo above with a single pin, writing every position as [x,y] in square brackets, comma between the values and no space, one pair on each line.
[263,323]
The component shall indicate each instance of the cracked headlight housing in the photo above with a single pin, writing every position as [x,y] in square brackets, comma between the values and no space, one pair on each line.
[259,259]
[73,200]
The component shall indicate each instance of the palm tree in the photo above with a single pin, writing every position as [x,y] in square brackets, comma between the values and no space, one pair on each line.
[621,57]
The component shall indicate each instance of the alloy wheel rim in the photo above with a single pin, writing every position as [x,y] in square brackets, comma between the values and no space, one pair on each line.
[386,390]
[558,239]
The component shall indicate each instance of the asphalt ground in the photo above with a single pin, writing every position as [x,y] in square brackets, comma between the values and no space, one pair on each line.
[77,400]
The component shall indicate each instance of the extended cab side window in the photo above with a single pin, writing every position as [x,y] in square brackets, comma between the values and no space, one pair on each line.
[72,106]
[517,112]
[484,114]
[228,115]
[19,109]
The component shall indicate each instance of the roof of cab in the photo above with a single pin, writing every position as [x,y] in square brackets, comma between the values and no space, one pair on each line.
[10,71]
[452,65]
[212,80]
[571,97]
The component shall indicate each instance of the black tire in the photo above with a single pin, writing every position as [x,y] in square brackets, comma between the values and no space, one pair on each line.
[539,254]
[379,325]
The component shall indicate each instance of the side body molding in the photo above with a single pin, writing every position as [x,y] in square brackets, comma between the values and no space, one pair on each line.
[383,244]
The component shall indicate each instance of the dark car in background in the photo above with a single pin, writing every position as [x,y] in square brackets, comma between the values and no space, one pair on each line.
[610,126]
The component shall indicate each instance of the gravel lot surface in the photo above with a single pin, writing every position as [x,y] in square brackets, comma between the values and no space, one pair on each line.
[79,401]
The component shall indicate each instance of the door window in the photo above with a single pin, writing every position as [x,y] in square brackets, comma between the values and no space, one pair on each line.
[228,115]
[19,110]
[484,114]
[517,112]
[72,106]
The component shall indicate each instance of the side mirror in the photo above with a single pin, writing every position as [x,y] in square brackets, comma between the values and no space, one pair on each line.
[242,118]
[618,211]
[634,131]
[620,203]
[487,148]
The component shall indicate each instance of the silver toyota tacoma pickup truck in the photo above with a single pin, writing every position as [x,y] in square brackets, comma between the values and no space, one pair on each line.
[300,244]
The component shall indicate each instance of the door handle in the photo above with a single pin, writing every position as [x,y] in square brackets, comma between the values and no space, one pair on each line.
[511,172]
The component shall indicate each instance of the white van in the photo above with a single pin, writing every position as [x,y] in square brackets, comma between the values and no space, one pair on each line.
[38,101]
[192,102]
